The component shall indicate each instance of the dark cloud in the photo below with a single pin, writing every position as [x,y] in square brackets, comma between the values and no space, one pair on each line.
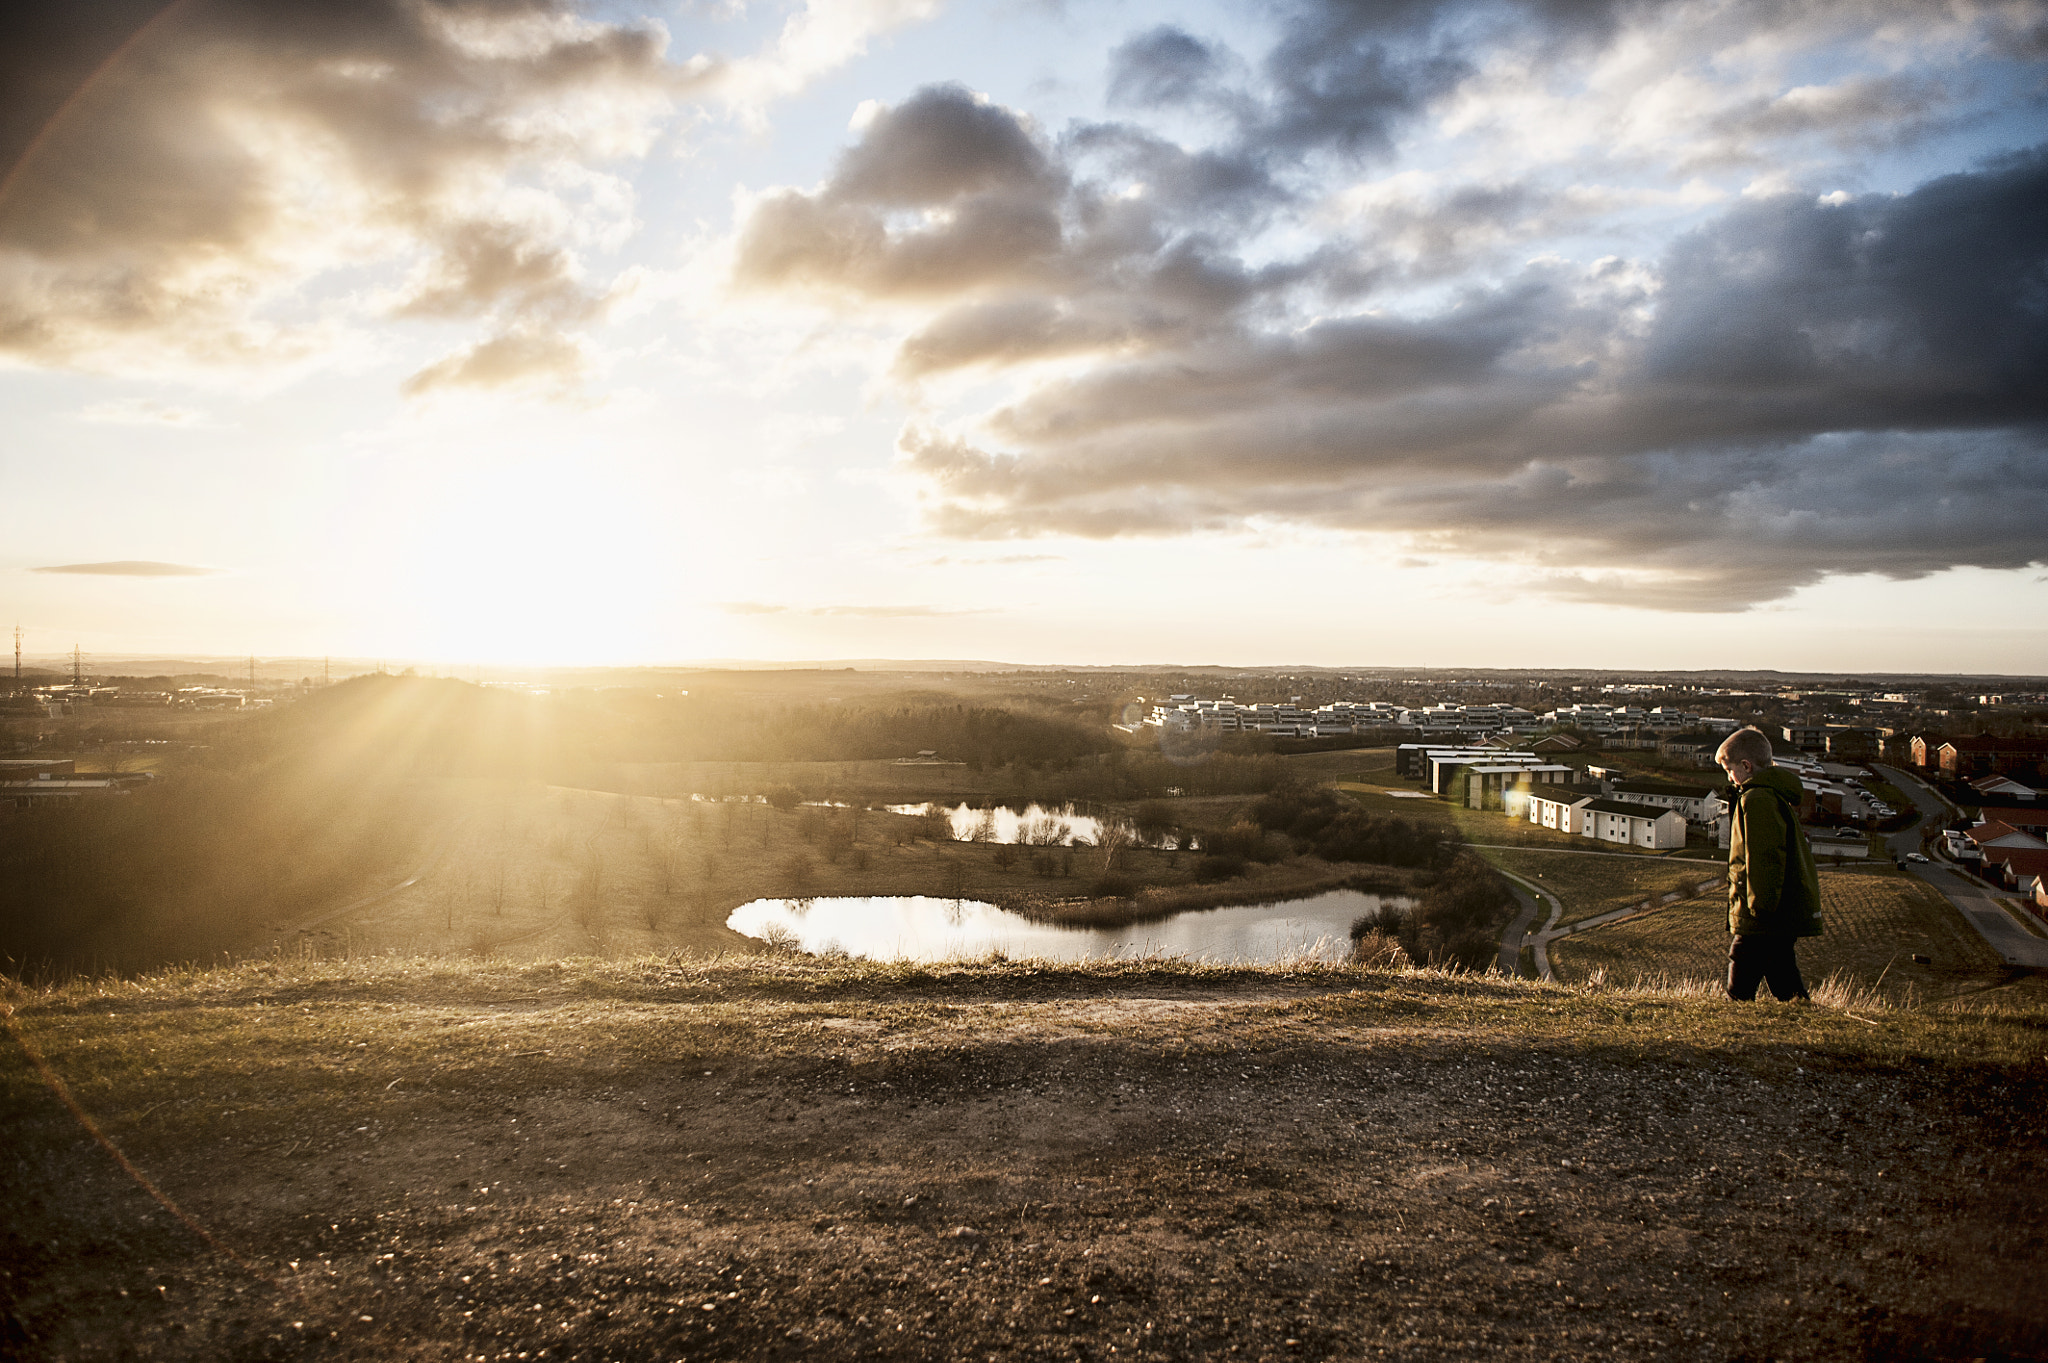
[941,145]
[130,568]
[1167,66]
[1802,387]
[1824,387]
[1345,77]
[943,149]
[1921,311]
[169,200]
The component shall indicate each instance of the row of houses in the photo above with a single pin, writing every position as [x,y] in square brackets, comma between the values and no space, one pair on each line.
[2011,850]
[1446,718]
[1981,755]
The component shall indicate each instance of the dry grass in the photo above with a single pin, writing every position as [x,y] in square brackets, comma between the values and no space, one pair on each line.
[771,1157]
[1876,922]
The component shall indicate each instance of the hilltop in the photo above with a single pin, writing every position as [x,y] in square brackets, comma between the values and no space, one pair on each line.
[779,1158]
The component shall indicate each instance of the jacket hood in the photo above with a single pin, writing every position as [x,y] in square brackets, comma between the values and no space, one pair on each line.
[1779,781]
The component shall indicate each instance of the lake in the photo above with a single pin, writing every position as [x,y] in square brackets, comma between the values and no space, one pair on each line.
[927,928]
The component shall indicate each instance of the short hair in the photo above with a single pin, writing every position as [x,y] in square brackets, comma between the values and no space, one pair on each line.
[1751,745]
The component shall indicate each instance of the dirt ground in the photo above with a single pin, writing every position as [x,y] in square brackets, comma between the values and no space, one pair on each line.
[1013,1163]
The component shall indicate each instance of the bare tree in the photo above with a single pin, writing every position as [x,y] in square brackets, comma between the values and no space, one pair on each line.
[1116,836]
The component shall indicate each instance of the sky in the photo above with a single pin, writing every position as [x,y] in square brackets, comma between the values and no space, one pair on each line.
[1568,333]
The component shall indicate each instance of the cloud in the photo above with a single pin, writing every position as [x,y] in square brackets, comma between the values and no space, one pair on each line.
[821,37]
[1217,337]
[130,568]
[1892,106]
[989,188]
[238,154]
[523,358]
[1168,66]
[1840,387]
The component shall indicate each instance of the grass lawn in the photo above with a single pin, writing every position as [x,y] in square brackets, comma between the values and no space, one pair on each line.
[1876,921]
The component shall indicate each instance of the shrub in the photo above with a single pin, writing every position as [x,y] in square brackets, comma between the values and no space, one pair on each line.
[1459,916]
[1218,866]
[1243,840]
[1153,818]
[1377,950]
[1112,886]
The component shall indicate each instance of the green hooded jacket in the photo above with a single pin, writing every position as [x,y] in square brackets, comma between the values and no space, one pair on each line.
[1773,886]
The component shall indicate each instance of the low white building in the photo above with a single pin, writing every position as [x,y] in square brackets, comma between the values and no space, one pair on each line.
[1699,804]
[1560,811]
[1635,825]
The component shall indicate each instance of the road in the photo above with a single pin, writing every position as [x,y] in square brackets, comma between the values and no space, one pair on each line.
[1979,908]
[1532,898]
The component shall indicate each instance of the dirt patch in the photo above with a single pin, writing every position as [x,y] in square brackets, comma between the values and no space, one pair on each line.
[1266,1169]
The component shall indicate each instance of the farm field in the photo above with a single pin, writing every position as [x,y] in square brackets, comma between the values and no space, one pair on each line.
[1877,920]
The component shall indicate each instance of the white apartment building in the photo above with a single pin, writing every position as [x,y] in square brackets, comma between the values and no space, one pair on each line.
[1632,825]
[1560,811]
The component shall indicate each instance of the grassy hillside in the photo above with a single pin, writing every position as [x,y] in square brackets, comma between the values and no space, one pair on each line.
[664,1158]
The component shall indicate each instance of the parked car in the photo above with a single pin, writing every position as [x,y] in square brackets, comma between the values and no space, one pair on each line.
[1916,856]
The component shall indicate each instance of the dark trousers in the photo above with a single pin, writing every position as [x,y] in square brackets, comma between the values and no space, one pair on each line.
[1757,956]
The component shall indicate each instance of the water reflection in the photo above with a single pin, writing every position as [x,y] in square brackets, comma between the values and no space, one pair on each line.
[928,928]
[1034,825]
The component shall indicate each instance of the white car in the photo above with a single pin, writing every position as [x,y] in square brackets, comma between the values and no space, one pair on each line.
[1916,856]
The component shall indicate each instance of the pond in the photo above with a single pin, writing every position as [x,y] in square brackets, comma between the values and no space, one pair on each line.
[1036,824]
[926,928]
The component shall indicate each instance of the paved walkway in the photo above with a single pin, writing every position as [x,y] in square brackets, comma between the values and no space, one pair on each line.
[1587,852]
[1533,899]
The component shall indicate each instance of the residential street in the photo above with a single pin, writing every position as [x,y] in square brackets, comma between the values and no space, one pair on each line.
[2013,943]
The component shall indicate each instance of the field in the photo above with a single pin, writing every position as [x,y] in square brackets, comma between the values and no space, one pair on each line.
[662,1159]
[1876,922]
